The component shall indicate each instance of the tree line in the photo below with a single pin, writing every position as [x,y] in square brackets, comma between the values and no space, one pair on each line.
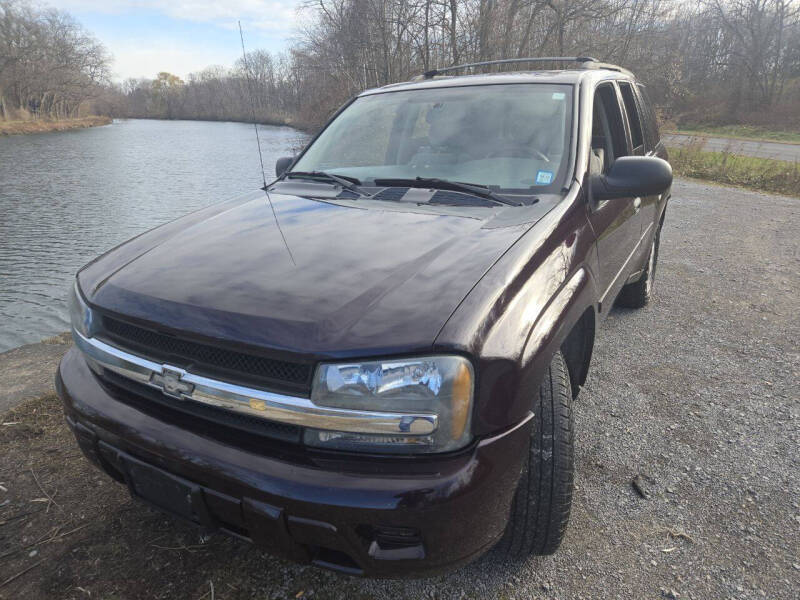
[706,61]
[50,66]
[711,61]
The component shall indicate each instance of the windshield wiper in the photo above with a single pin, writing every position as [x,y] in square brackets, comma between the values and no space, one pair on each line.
[342,181]
[456,186]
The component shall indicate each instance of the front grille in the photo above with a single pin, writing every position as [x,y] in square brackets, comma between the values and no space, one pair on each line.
[185,412]
[205,359]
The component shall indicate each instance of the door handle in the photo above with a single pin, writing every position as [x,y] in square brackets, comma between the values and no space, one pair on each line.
[637,204]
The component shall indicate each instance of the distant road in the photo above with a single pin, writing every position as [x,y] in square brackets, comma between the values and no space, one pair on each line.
[775,150]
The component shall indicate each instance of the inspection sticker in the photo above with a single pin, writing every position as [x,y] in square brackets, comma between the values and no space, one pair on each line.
[544,178]
[558,95]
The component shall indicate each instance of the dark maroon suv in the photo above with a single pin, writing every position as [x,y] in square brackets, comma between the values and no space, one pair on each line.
[377,377]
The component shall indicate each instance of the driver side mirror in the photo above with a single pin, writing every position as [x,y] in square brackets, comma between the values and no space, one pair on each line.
[282,164]
[632,176]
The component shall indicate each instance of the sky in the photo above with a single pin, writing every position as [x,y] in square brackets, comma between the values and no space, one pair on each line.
[182,36]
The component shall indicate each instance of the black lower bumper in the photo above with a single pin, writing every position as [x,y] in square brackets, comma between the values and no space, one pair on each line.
[399,517]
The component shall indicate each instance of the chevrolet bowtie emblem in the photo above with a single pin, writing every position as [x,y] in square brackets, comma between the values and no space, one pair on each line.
[171,383]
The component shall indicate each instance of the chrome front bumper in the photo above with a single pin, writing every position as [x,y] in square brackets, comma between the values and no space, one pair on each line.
[183,385]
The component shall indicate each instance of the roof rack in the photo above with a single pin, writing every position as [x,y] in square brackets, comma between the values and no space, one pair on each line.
[607,66]
[586,62]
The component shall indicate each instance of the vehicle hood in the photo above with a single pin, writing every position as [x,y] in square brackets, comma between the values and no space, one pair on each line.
[354,277]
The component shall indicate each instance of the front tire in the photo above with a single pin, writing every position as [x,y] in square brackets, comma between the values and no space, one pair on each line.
[639,293]
[542,501]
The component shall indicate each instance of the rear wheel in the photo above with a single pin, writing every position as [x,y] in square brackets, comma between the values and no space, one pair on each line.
[541,505]
[639,293]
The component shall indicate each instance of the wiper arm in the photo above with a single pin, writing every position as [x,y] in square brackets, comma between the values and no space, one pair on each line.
[477,190]
[457,186]
[345,183]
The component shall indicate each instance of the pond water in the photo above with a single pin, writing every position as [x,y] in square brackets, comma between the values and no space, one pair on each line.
[67,197]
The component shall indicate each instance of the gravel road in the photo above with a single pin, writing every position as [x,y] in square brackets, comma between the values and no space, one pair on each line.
[696,394]
[774,150]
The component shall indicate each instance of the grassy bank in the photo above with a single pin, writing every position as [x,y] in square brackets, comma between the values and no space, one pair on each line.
[47,125]
[744,132]
[761,174]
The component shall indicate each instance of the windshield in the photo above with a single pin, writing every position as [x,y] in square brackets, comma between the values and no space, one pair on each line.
[511,137]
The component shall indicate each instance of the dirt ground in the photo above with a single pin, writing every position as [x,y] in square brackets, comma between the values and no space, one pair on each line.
[697,394]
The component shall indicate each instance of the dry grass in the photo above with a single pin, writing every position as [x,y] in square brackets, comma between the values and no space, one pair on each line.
[69,532]
[47,125]
[761,174]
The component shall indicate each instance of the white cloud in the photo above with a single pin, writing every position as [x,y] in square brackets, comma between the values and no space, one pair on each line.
[267,24]
[137,60]
[268,15]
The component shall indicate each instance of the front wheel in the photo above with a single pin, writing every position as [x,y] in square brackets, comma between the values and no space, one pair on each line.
[542,501]
[639,293]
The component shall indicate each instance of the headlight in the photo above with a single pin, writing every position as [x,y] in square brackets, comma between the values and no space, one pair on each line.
[80,315]
[438,386]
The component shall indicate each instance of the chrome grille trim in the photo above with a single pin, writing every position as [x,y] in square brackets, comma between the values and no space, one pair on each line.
[293,410]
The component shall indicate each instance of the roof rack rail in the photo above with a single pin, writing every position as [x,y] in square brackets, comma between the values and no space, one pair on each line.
[586,62]
[579,59]
[607,66]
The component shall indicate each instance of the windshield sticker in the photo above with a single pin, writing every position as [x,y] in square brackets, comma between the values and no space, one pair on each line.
[558,95]
[544,178]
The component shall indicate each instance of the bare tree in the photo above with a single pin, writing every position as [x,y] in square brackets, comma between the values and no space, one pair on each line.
[719,59]
[49,65]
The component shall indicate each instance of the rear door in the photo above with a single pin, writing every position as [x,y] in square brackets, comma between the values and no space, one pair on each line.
[615,222]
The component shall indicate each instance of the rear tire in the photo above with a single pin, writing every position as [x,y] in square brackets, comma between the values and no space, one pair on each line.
[542,501]
[639,293]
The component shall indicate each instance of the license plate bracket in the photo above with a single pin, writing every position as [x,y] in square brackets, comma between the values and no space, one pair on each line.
[166,491]
[161,489]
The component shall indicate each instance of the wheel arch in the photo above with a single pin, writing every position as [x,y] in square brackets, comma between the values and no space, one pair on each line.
[567,324]
[577,349]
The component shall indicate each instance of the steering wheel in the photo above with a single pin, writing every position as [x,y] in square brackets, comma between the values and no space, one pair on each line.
[518,151]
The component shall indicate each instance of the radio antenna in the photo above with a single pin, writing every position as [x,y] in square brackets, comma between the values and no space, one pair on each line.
[249,76]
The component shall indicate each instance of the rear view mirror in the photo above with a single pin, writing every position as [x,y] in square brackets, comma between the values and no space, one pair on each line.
[632,176]
[282,164]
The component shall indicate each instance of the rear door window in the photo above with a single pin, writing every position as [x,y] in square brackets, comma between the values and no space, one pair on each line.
[634,118]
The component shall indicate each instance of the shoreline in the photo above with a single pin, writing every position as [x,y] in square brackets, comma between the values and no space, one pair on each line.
[47,125]
[28,372]
[299,126]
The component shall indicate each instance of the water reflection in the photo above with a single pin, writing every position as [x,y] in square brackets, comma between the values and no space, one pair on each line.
[67,197]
